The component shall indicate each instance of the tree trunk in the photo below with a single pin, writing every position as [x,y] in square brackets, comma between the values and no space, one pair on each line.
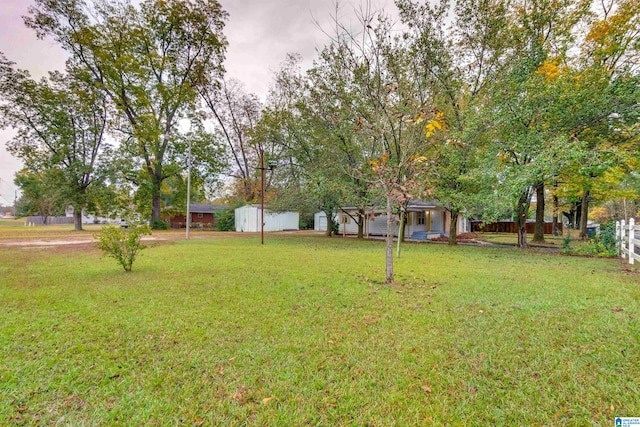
[155,199]
[577,218]
[389,243]
[360,221]
[556,209]
[521,218]
[77,219]
[453,227]
[584,209]
[400,232]
[538,234]
[329,230]
[155,212]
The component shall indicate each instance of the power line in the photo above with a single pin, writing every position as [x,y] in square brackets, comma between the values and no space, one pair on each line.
[11,196]
[7,184]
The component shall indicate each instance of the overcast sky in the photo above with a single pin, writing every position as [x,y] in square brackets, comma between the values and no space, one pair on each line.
[260,34]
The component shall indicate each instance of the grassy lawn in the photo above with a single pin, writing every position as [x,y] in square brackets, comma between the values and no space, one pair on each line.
[16,229]
[512,239]
[300,332]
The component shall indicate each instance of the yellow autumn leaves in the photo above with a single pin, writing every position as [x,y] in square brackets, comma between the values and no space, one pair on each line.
[434,124]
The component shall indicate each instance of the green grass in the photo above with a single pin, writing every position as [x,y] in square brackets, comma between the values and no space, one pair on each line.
[301,332]
[512,239]
[16,229]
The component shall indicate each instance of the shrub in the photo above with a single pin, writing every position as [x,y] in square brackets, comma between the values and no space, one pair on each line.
[160,225]
[226,220]
[593,247]
[566,242]
[608,236]
[335,226]
[303,224]
[122,244]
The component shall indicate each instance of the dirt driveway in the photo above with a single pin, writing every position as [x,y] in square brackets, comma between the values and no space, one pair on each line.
[57,240]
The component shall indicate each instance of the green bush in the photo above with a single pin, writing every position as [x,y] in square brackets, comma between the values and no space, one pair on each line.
[608,236]
[122,244]
[566,243]
[601,245]
[226,220]
[303,224]
[593,247]
[160,225]
[335,226]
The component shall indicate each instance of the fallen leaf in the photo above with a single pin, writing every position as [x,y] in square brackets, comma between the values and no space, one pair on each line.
[426,389]
[480,311]
[266,400]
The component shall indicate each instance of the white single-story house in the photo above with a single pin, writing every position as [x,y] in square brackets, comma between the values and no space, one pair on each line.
[425,220]
[86,217]
[248,219]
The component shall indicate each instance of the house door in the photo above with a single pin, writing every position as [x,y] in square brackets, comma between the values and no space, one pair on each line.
[322,223]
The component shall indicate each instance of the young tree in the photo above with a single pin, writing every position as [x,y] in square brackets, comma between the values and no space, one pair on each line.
[392,113]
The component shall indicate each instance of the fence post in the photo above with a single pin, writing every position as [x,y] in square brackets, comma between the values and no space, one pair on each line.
[618,236]
[622,230]
[631,237]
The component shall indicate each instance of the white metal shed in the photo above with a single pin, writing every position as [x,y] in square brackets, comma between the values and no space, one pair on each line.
[248,219]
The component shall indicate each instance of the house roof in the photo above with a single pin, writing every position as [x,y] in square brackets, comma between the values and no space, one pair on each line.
[423,204]
[204,208]
[412,206]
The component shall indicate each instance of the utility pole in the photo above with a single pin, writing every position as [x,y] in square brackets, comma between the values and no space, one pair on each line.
[262,196]
[271,166]
[188,189]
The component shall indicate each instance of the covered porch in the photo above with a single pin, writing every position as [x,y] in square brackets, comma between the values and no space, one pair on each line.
[425,220]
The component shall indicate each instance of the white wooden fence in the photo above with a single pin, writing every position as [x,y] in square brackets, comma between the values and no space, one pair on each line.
[628,243]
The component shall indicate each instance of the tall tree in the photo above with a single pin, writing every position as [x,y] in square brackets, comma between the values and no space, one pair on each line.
[457,51]
[60,124]
[237,114]
[149,60]
[313,139]
[40,193]
[610,62]
[540,35]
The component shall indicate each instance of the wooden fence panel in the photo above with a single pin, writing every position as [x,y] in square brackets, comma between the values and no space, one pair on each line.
[51,220]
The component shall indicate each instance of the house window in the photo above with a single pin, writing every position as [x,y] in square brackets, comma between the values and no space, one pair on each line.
[421,218]
[344,218]
[200,215]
